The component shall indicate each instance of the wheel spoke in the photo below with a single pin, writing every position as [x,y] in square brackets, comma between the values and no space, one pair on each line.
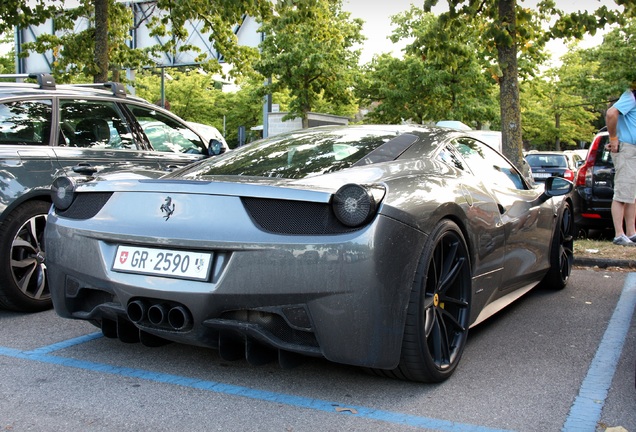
[456,324]
[440,342]
[448,260]
[24,280]
[41,283]
[450,278]
[23,263]
[21,243]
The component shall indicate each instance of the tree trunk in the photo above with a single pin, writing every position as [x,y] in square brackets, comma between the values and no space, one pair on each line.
[509,84]
[557,124]
[101,40]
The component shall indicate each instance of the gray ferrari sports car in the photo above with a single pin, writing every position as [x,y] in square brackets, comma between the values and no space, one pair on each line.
[375,246]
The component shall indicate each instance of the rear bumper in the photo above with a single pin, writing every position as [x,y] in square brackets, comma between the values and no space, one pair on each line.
[343,299]
[591,212]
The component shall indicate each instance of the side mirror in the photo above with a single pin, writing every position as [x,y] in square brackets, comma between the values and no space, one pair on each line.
[215,147]
[557,186]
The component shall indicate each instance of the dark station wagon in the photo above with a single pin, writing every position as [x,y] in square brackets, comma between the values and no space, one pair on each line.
[48,130]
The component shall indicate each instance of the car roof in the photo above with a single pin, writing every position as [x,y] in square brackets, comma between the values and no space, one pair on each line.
[46,86]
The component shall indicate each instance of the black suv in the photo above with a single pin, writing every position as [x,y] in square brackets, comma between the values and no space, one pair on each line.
[48,130]
[594,188]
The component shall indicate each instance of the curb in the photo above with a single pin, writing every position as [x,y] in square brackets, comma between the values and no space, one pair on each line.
[605,263]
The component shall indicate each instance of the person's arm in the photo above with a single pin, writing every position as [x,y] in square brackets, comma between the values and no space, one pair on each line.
[611,120]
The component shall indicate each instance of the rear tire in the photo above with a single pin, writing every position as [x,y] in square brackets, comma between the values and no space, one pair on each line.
[438,313]
[561,251]
[23,276]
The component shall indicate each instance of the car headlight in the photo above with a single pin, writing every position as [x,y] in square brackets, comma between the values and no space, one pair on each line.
[62,192]
[354,205]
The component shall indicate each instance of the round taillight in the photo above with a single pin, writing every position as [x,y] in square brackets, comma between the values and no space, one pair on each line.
[354,205]
[62,192]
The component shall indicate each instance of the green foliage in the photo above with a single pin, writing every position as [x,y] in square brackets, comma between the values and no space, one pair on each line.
[308,51]
[217,18]
[440,76]
[75,53]
[7,61]
[22,13]
[615,59]
[196,96]
[553,116]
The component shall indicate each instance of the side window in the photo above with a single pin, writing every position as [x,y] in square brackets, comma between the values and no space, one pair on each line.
[93,124]
[25,122]
[489,165]
[165,133]
[450,157]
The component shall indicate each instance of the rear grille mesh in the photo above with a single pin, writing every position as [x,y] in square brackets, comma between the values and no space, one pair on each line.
[294,217]
[85,205]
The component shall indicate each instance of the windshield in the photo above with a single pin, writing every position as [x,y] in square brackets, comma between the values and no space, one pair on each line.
[296,155]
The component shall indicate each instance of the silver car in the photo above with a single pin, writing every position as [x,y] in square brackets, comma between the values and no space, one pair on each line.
[376,246]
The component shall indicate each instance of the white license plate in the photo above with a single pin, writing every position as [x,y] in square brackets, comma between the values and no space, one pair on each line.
[541,175]
[163,262]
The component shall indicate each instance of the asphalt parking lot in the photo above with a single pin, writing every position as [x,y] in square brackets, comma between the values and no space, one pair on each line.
[553,361]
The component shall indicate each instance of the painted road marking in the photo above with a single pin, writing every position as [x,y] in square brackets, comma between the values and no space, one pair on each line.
[584,414]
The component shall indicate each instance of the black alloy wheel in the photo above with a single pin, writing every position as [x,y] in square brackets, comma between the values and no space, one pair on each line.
[438,313]
[561,251]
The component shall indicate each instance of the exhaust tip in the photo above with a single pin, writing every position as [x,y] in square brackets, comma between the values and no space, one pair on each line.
[136,311]
[157,314]
[179,318]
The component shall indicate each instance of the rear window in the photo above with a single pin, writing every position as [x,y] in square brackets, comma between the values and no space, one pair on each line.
[546,161]
[603,156]
[296,155]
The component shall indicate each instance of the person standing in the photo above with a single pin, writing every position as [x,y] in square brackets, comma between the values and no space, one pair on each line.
[621,125]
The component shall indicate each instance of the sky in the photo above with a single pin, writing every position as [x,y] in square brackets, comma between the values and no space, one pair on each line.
[377,27]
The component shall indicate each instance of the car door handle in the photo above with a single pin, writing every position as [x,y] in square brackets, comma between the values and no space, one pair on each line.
[84,169]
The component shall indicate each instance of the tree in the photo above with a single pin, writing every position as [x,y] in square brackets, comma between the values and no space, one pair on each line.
[510,29]
[308,50]
[615,59]
[7,61]
[22,13]
[103,48]
[553,117]
[440,77]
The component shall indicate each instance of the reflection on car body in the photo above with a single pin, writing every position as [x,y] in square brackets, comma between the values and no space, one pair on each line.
[376,246]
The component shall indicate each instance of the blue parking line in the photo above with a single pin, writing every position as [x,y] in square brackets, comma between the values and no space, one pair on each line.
[362,412]
[584,414]
[66,344]
[588,405]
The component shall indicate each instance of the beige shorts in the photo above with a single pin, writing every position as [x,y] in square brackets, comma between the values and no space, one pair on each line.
[625,173]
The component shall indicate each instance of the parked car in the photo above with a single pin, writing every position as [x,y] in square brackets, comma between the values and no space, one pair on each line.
[47,130]
[594,188]
[552,164]
[210,133]
[375,246]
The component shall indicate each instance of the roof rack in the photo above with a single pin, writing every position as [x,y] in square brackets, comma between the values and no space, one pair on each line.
[45,80]
[116,88]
